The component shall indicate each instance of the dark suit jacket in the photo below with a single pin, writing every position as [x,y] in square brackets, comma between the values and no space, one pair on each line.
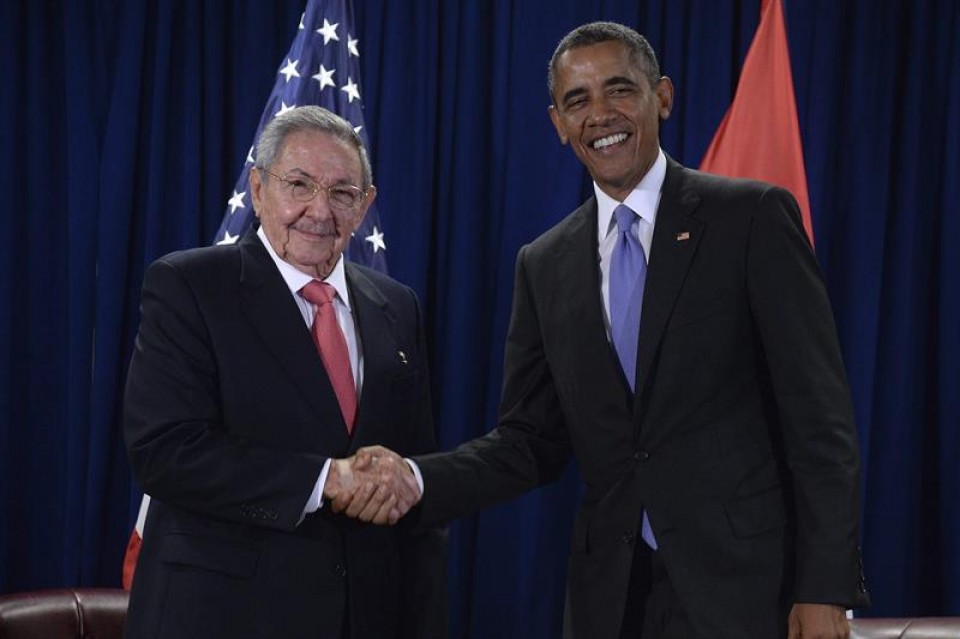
[740,441]
[229,417]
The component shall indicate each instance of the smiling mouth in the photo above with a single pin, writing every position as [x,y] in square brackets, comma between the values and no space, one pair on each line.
[608,141]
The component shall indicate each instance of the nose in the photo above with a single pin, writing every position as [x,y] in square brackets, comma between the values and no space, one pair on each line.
[318,208]
[601,112]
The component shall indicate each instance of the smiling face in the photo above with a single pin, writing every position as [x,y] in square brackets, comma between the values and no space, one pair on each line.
[312,235]
[606,108]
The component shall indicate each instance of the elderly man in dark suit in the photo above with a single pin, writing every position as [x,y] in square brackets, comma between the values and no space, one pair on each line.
[258,368]
[673,333]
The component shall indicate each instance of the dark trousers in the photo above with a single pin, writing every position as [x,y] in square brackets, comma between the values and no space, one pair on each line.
[653,609]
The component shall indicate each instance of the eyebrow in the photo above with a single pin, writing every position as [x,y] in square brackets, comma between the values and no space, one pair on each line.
[572,93]
[300,171]
[297,169]
[618,79]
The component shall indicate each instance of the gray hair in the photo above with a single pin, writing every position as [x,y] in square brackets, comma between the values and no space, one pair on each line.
[641,53]
[311,118]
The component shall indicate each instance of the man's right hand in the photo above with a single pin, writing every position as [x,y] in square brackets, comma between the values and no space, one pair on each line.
[376,486]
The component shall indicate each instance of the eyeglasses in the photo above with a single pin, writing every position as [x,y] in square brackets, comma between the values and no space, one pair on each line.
[343,197]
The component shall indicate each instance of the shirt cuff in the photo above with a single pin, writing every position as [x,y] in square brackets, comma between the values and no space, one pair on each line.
[315,502]
[416,473]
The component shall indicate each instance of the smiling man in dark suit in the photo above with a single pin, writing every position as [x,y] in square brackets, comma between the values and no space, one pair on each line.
[674,334]
[259,367]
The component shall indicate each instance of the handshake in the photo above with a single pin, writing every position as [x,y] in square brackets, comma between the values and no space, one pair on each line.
[375,486]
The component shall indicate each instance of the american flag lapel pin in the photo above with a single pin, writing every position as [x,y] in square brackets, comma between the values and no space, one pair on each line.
[683,237]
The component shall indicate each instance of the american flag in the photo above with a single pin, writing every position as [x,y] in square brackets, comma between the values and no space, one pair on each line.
[322,68]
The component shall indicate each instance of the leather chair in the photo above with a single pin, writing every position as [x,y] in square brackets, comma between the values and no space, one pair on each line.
[67,613]
[99,613]
[906,628]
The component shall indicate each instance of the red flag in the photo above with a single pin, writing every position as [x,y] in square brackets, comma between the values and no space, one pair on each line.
[130,558]
[133,545]
[759,137]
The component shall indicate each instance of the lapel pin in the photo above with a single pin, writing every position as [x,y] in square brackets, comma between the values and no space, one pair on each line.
[403,357]
[682,237]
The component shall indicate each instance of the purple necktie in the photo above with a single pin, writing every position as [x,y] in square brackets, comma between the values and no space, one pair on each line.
[628,273]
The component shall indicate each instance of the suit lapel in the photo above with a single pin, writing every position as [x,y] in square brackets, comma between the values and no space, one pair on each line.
[265,298]
[579,272]
[675,239]
[377,331]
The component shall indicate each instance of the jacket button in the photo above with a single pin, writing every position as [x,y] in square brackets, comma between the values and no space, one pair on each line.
[628,538]
[641,455]
[339,570]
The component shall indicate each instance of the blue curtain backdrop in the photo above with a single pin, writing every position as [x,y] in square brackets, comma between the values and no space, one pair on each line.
[124,124]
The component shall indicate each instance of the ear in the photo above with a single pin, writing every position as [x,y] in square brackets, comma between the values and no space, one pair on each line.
[664,90]
[256,186]
[558,124]
[367,203]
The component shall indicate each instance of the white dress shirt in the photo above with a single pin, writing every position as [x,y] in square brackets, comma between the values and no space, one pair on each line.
[296,280]
[642,200]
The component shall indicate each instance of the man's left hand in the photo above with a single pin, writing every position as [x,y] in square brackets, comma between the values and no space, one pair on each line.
[817,621]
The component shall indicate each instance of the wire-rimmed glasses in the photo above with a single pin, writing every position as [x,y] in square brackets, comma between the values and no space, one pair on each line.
[343,197]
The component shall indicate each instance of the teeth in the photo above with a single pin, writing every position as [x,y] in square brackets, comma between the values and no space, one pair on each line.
[610,139]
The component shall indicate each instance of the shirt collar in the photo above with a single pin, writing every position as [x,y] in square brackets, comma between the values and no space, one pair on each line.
[297,279]
[643,199]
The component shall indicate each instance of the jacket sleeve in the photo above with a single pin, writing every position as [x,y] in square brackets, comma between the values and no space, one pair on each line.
[179,448]
[789,303]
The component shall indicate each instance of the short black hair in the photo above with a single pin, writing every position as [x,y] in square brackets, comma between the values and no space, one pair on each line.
[641,53]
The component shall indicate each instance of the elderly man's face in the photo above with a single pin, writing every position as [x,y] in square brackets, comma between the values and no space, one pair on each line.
[309,235]
[609,113]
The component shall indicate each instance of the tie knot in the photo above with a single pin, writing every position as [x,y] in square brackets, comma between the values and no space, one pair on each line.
[625,217]
[318,293]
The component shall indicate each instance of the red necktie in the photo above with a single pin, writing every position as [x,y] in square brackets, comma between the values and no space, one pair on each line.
[332,347]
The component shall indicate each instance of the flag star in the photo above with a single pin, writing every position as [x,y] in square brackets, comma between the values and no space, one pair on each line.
[329,31]
[302,16]
[284,108]
[325,77]
[228,239]
[351,90]
[352,46]
[290,70]
[236,201]
[250,159]
[376,238]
